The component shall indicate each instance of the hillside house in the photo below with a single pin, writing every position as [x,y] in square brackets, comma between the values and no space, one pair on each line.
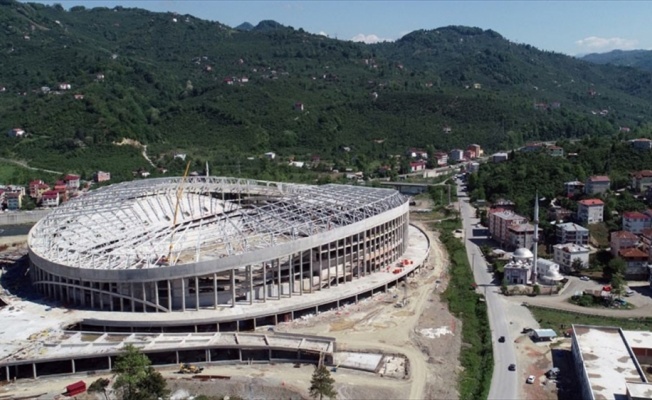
[442,159]
[33,185]
[566,254]
[521,235]
[417,153]
[72,181]
[447,129]
[78,96]
[621,240]
[641,144]
[532,147]
[298,106]
[456,155]
[572,233]
[14,200]
[641,180]
[270,155]
[499,157]
[646,242]
[597,184]
[500,220]
[16,133]
[101,176]
[65,86]
[50,198]
[573,188]
[636,260]
[635,222]
[590,211]
[416,166]
[475,150]
[555,151]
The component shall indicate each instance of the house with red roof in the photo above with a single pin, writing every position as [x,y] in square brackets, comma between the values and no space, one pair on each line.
[641,180]
[50,198]
[72,181]
[635,222]
[597,184]
[636,260]
[621,240]
[419,165]
[590,211]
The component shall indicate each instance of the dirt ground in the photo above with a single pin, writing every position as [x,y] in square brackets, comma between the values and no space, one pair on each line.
[423,330]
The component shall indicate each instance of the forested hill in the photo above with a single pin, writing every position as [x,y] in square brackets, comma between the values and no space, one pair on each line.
[219,94]
[641,59]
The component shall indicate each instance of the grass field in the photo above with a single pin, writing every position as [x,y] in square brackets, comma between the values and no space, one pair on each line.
[11,174]
[558,320]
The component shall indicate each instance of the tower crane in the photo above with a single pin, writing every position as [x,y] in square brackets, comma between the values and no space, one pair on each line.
[176,211]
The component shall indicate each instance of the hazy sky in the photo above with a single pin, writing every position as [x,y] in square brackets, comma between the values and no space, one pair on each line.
[570,27]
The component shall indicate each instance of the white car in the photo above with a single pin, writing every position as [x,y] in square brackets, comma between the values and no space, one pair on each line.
[585,278]
[530,379]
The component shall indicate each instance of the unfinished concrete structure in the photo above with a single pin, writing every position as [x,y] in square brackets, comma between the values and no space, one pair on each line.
[208,243]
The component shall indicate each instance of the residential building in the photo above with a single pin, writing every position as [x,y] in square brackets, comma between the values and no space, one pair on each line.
[566,253]
[499,157]
[2,197]
[468,154]
[33,186]
[442,159]
[559,214]
[573,188]
[447,129]
[14,200]
[37,190]
[16,133]
[72,181]
[590,211]
[500,221]
[298,106]
[15,189]
[65,86]
[472,167]
[419,165]
[597,184]
[637,263]
[532,147]
[417,153]
[521,235]
[621,240]
[50,198]
[476,150]
[555,151]
[101,176]
[635,222]
[270,155]
[641,144]
[641,180]
[572,233]
[456,155]
[504,204]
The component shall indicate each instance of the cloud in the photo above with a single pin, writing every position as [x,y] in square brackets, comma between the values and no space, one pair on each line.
[598,44]
[361,37]
[322,33]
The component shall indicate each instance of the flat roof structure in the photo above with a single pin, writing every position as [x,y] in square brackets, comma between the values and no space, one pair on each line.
[608,361]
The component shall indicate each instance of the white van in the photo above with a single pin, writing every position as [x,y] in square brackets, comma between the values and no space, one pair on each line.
[629,292]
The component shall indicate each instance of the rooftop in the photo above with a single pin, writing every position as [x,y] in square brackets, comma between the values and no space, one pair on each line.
[570,226]
[598,178]
[608,360]
[635,215]
[591,202]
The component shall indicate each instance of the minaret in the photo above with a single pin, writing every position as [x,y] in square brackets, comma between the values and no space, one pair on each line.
[535,239]
[207,173]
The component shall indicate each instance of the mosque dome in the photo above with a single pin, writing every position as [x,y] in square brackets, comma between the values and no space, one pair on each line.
[523,253]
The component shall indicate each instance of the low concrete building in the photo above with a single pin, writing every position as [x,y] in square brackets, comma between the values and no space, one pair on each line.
[636,222]
[572,233]
[621,240]
[499,157]
[641,180]
[597,184]
[590,211]
[565,254]
[573,188]
[637,265]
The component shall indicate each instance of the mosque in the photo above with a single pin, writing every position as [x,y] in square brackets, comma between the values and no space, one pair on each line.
[519,270]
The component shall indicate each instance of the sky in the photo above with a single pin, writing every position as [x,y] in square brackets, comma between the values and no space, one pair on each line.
[569,27]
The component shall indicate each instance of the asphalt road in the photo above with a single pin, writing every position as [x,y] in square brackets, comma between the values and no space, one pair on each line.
[504,383]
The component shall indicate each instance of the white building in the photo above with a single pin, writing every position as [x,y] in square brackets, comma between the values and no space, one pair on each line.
[565,254]
[519,269]
[635,222]
[499,157]
[456,155]
[548,272]
[590,211]
[572,233]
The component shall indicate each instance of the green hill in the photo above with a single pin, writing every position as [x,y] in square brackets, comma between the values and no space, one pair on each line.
[180,84]
[641,59]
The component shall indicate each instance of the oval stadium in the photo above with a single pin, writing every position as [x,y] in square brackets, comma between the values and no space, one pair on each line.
[170,245]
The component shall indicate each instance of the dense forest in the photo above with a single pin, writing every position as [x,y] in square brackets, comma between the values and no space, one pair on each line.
[222,95]
[641,59]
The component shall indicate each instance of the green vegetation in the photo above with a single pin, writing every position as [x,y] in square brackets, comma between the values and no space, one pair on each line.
[641,59]
[476,356]
[136,379]
[161,79]
[558,319]
[322,384]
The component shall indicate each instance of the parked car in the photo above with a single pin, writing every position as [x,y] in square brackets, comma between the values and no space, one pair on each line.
[584,278]
[606,288]
[512,367]
[629,292]
[530,379]
[501,339]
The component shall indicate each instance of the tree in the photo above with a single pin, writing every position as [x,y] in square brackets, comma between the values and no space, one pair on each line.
[136,379]
[99,386]
[536,289]
[617,285]
[321,384]
[577,264]
[616,266]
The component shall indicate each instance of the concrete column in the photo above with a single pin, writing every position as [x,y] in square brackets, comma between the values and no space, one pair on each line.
[301,272]
[34,370]
[177,354]
[110,367]
[72,363]
[264,282]
[131,297]
[278,271]
[215,290]
[197,293]
[156,299]
[250,279]
[92,293]
[208,355]
[7,371]
[183,294]
[169,295]
[101,295]
[144,297]
[232,287]
[310,266]
[291,274]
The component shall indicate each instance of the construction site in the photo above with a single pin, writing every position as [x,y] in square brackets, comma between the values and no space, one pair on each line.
[291,330]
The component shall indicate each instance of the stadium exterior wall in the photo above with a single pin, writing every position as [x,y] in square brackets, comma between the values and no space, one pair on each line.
[351,251]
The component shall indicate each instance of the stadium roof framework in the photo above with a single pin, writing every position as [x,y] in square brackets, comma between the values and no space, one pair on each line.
[161,222]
